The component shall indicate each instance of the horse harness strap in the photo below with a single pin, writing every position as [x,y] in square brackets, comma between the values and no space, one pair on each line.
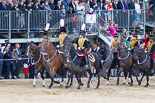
[143,61]
[125,57]
[51,58]
[37,60]
[108,57]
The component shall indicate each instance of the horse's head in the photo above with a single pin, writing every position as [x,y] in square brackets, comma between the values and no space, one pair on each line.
[102,50]
[31,49]
[138,52]
[67,47]
[44,43]
[121,47]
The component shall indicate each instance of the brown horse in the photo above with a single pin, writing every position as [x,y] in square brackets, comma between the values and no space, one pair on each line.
[51,58]
[34,51]
[125,62]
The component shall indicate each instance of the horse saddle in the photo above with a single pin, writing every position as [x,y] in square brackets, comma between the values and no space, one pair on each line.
[43,52]
[90,56]
[60,51]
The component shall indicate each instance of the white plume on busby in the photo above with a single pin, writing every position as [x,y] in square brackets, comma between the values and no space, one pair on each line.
[47,27]
[83,26]
[62,23]
[82,31]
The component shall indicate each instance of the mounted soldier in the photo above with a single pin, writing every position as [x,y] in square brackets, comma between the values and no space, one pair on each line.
[62,36]
[150,51]
[116,41]
[83,46]
[134,42]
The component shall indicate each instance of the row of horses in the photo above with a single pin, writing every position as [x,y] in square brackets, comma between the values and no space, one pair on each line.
[47,56]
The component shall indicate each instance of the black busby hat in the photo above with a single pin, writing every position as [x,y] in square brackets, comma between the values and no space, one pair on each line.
[115,35]
[82,32]
[63,29]
[151,37]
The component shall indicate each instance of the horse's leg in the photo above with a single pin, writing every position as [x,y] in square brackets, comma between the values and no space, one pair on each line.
[79,80]
[90,76]
[130,76]
[71,83]
[42,76]
[147,78]
[98,84]
[81,84]
[109,71]
[125,75]
[140,81]
[52,80]
[34,80]
[70,77]
[118,74]
[62,77]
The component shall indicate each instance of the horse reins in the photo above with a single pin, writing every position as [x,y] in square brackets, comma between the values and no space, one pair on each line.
[51,58]
[125,57]
[108,57]
[37,60]
[143,61]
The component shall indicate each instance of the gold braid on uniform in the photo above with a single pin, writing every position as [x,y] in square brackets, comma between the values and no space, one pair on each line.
[61,39]
[133,43]
[81,42]
[149,47]
[114,43]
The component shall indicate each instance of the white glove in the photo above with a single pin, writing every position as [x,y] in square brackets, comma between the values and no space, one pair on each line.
[58,46]
[79,48]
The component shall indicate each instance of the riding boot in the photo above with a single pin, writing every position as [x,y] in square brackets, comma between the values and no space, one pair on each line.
[151,68]
[151,65]
[87,61]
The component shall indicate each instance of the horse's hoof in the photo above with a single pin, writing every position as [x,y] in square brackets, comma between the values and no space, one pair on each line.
[66,86]
[146,86]
[43,85]
[139,83]
[88,86]
[70,85]
[61,85]
[97,87]
[81,84]
[107,82]
[49,87]
[33,85]
[123,83]
[78,88]
[131,85]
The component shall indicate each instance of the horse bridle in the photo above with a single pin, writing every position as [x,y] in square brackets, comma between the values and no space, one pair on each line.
[143,61]
[125,57]
[33,63]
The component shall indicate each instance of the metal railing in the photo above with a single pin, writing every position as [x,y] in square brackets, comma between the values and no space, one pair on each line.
[35,21]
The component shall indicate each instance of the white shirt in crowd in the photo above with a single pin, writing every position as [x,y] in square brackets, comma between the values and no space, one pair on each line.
[137,8]
[80,9]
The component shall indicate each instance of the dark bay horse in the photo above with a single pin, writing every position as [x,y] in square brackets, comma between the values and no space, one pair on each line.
[78,62]
[106,56]
[143,64]
[125,62]
[38,61]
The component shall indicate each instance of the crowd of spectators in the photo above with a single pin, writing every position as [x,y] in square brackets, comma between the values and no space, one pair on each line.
[11,60]
[78,6]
